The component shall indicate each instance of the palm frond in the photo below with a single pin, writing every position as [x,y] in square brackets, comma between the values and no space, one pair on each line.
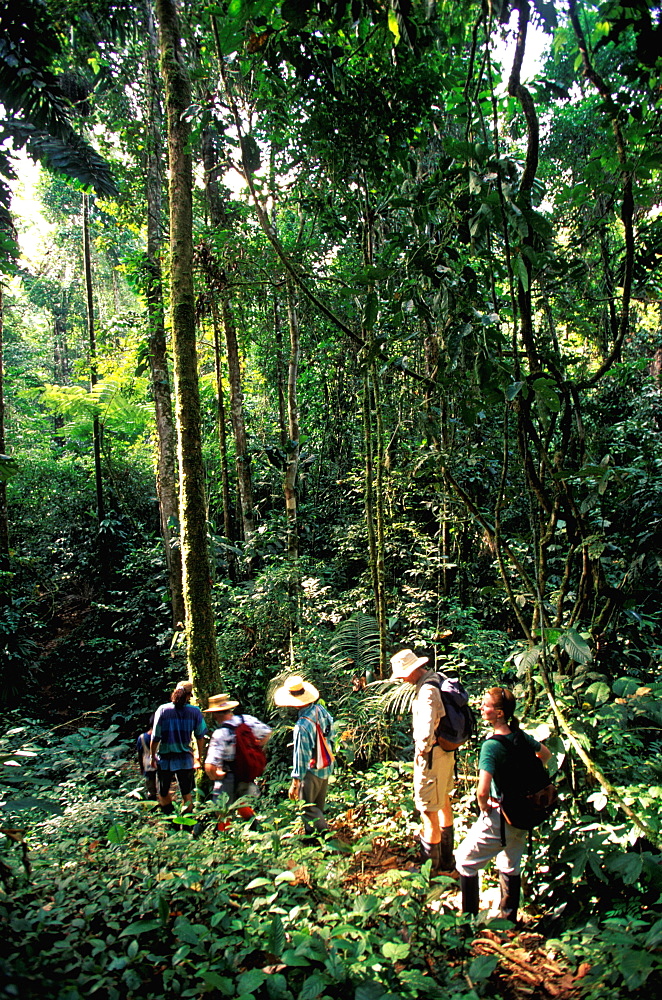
[355,645]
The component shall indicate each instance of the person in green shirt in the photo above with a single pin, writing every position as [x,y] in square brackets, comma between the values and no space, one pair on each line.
[492,836]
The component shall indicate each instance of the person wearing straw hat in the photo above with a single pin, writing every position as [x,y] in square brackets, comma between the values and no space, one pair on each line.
[221,753]
[309,780]
[175,723]
[434,767]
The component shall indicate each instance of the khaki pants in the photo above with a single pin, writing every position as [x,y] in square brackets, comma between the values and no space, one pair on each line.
[433,779]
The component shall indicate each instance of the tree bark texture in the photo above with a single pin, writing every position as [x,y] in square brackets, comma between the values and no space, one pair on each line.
[166,479]
[291,468]
[244,477]
[89,298]
[4,521]
[200,630]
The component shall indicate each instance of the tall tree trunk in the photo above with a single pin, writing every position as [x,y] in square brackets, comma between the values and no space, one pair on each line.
[228,527]
[278,335]
[200,630]
[166,478]
[292,466]
[4,521]
[96,432]
[244,477]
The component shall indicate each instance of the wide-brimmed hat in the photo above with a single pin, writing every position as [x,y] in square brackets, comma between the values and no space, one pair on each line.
[405,662]
[295,692]
[220,703]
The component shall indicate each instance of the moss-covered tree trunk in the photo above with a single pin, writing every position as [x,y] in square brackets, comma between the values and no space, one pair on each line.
[196,575]
[166,480]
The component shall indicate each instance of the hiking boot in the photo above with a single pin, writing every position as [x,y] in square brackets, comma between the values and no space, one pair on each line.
[446,856]
[470,893]
[510,895]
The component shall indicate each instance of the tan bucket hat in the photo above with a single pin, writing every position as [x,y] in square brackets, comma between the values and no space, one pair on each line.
[404,663]
[220,703]
[295,692]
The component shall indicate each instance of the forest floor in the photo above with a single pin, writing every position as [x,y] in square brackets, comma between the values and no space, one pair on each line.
[527,966]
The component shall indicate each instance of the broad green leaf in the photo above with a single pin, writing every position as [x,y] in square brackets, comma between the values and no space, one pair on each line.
[140,927]
[575,646]
[117,834]
[249,982]
[635,966]
[628,866]
[625,686]
[395,950]
[258,882]
[596,694]
[221,983]
[482,967]
[313,986]
[276,938]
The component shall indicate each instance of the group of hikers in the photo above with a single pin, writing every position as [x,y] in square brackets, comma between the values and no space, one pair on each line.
[232,760]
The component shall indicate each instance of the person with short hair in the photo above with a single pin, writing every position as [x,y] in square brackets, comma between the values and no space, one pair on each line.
[309,782]
[219,763]
[175,724]
[434,767]
[492,836]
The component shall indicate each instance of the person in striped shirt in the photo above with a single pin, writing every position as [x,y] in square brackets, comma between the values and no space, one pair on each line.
[312,763]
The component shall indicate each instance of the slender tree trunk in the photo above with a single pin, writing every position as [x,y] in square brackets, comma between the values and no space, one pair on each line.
[244,478]
[278,334]
[166,479]
[96,432]
[4,520]
[289,484]
[222,436]
[200,630]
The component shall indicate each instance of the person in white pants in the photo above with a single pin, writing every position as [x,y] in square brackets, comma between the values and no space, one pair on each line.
[492,836]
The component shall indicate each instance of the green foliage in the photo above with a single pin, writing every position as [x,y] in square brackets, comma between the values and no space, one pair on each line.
[355,645]
[115,901]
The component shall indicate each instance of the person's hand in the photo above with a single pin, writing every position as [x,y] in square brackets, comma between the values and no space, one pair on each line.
[293,791]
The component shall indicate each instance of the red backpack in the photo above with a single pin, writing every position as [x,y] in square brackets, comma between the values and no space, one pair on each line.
[249,759]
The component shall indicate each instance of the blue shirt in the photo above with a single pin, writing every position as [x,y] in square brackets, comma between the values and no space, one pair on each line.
[173,727]
[305,740]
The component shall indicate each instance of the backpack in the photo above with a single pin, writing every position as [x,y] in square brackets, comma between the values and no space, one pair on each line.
[459,722]
[250,759]
[527,797]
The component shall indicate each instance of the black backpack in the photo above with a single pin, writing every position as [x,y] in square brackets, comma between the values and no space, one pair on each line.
[459,722]
[527,796]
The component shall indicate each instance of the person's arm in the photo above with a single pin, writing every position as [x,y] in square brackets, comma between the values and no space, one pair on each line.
[301,755]
[544,753]
[201,748]
[483,790]
[214,772]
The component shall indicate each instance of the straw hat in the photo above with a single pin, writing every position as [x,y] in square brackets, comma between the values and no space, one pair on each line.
[295,692]
[405,663]
[220,703]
